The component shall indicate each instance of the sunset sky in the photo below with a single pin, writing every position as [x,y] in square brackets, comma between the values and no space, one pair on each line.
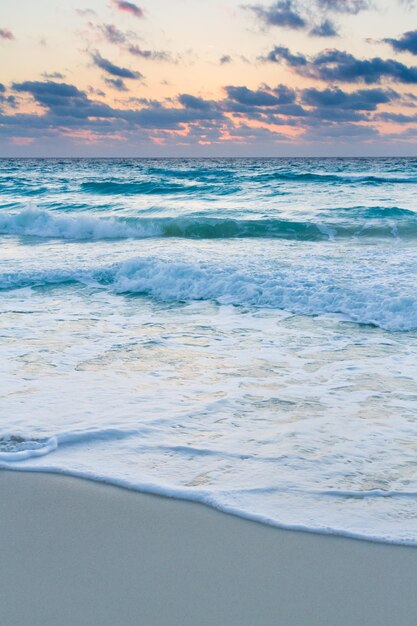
[208,78]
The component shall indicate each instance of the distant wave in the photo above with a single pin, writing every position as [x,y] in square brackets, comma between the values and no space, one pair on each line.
[348,179]
[46,224]
[374,301]
[220,181]
[158,187]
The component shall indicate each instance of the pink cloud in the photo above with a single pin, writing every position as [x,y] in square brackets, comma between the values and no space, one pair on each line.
[6,34]
[21,141]
[129,7]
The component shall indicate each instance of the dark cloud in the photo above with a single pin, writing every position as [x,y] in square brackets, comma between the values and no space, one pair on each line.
[52,75]
[96,92]
[154,55]
[397,118]
[302,14]
[304,108]
[48,91]
[5,33]
[6,100]
[112,69]
[129,7]
[281,53]
[335,65]
[225,59]
[246,96]
[352,7]
[325,29]
[188,119]
[261,97]
[406,43]
[68,106]
[282,13]
[162,117]
[63,99]
[361,100]
[192,102]
[112,34]
[340,130]
[116,83]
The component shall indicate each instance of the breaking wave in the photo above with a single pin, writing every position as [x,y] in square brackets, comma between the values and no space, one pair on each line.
[376,301]
[380,223]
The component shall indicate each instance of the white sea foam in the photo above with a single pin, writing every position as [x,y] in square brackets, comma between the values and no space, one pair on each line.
[34,222]
[380,297]
[39,223]
[17,447]
[236,349]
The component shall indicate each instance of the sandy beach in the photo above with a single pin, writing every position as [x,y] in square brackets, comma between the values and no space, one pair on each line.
[77,553]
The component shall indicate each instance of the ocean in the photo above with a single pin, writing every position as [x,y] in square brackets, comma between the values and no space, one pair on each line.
[239,332]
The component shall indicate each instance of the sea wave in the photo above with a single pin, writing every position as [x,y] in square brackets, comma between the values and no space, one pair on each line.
[155,187]
[371,300]
[46,224]
[224,182]
[334,178]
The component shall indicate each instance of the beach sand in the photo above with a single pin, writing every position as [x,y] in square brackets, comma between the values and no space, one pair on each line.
[78,553]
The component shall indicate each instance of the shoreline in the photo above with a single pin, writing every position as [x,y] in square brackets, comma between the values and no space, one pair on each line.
[80,553]
[178,494]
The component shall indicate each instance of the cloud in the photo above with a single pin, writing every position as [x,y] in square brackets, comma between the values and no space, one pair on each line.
[243,115]
[116,83]
[345,130]
[85,12]
[406,43]
[281,53]
[282,13]
[301,14]
[397,118]
[113,35]
[225,59]
[360,100]
[335,65]
[325,29]
[261,97]
[352,7]
[129,7]
[5,33]
[52,75]
[112,69]
[68,106]
[154,55]
[192,102]
[63,99]
[305,107]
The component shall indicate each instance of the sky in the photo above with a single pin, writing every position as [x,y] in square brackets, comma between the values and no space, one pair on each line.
[208,78]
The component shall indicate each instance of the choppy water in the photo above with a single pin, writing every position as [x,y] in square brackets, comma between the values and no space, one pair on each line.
[238,332]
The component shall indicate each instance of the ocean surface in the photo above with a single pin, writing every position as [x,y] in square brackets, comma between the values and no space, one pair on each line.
[240,332]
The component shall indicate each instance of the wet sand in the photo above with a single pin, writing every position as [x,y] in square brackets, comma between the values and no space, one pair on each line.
[78,553]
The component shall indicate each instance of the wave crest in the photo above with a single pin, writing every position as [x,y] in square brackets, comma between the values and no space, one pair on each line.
[377,300]
[34,222]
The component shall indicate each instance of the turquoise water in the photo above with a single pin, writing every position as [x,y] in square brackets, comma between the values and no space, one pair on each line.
[241,332]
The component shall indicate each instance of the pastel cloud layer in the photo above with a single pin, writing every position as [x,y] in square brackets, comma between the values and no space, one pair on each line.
[279,78]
